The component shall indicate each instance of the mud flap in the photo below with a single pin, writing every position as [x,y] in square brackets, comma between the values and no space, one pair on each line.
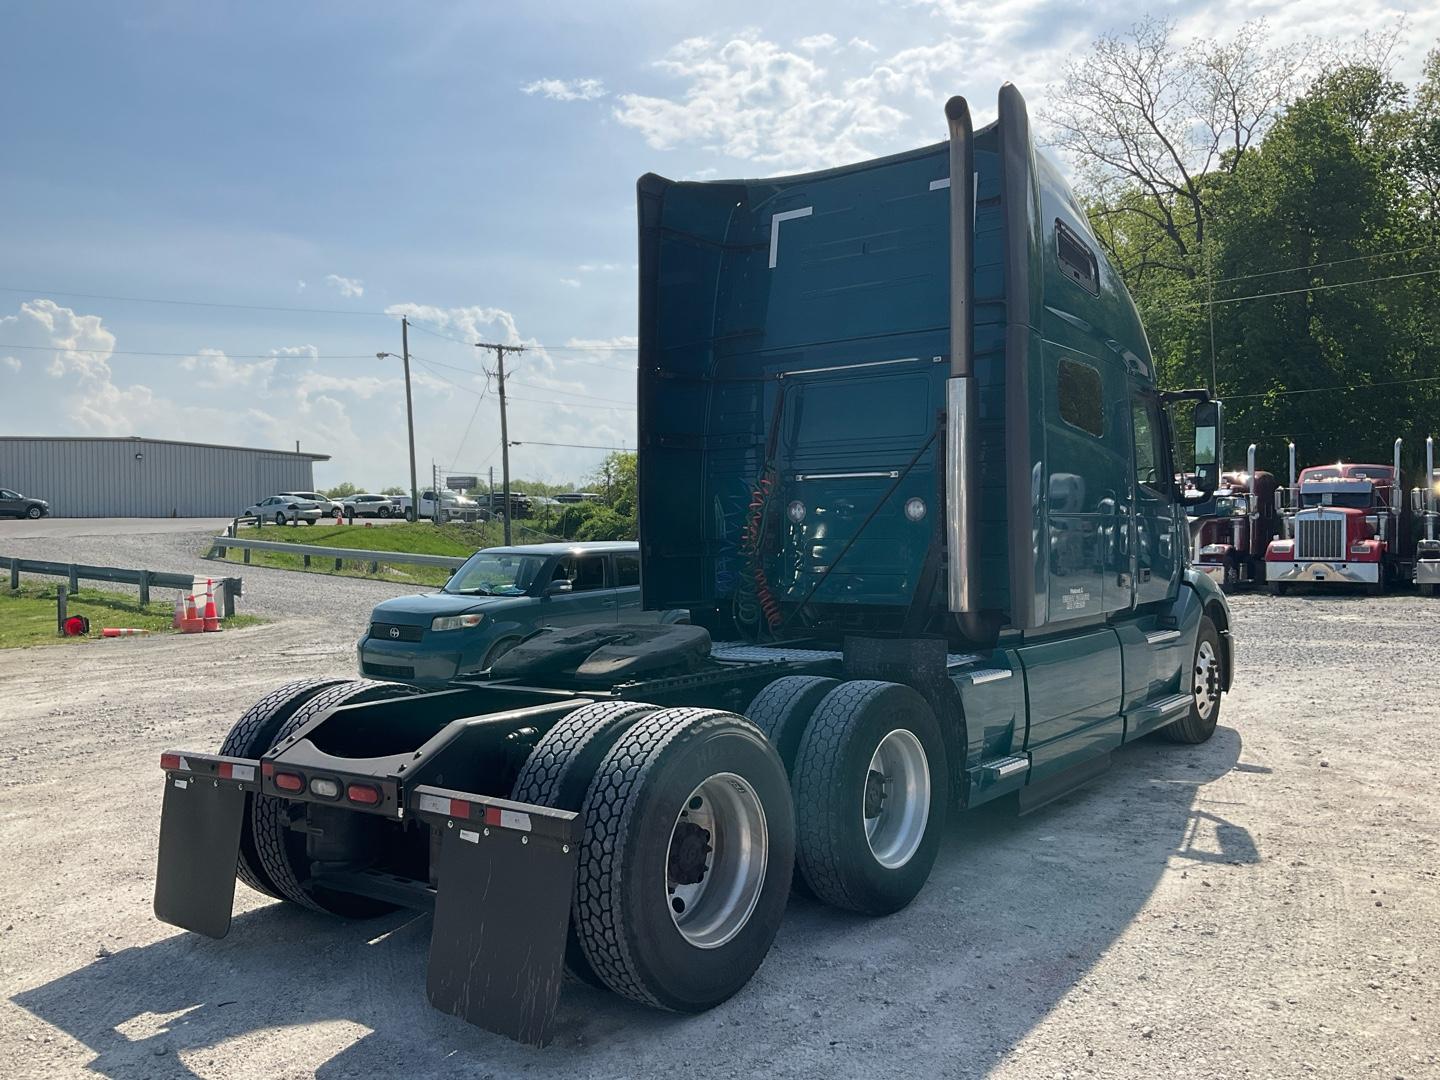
[506,878]
[199,847]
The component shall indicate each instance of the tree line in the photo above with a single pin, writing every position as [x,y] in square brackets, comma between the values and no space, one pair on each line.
[1275,212]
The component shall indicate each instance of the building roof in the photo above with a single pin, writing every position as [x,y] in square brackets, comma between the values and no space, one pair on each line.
[134,439]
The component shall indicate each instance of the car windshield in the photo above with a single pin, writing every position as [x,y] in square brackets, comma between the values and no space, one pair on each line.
[489,573]
[1354,500]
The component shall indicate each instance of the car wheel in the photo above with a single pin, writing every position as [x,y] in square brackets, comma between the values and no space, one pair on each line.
[310,521]
[34,513]
[384,512]
[279,518]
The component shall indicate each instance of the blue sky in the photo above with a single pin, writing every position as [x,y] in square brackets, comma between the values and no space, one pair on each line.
[472,164]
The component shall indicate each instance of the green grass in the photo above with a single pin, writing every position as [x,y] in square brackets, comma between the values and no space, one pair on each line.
[418,538]
[27,615]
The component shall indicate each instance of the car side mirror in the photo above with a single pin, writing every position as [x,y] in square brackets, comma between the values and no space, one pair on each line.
[558,587]
[1209,444]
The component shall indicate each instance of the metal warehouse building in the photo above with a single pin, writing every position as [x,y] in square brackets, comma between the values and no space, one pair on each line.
[136,477]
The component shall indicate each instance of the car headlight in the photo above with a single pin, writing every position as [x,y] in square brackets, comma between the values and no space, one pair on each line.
[455,622]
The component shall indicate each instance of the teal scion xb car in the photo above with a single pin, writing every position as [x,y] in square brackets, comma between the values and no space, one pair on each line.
[497,598]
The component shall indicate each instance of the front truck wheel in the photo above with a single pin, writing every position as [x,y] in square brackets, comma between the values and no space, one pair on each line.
[252,735]
[281,849]
[559,770]
[1207,676]
[686,862]
[871,794]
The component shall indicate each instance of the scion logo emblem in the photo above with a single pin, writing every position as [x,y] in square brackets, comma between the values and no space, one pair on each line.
[395,631]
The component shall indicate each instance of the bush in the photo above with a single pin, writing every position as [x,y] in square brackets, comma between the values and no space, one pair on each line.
[605,524]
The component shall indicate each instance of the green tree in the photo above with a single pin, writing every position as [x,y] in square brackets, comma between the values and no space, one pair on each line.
[341,490]
[617,482]
[393,489]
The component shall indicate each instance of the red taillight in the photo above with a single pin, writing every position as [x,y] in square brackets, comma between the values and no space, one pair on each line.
[363,794]
[227,771]
[169,761]
[289,781]
[459,808]
[267,768]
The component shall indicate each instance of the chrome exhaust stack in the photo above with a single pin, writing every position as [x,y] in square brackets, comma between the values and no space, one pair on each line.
[1430,487]
[1395,501]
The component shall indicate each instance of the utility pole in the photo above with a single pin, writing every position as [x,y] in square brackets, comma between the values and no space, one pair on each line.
[500,351]
[409,410]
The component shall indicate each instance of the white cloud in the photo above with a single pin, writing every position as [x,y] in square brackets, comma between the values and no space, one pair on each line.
[567,89]
[817,43]
[861,44]
[570,282]
[13,364]
[300,286]
[754,100]
[596,268]
[347,287]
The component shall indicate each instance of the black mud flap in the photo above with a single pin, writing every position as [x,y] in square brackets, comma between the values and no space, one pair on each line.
[199,847]
[505,879]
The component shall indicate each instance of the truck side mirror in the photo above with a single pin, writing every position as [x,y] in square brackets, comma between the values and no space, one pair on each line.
[1209,443]
[1417,500]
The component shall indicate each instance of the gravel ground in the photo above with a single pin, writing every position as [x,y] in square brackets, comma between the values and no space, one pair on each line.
[1265,905]
[345,602]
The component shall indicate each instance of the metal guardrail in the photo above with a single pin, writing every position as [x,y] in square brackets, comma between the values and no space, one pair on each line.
[220,546]
[230,587]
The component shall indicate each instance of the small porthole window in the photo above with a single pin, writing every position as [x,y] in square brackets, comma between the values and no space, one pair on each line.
[1082,404]
[1077,261]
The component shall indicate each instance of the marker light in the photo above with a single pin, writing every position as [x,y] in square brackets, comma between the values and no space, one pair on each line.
[796,511]
[363,794]
[915,509]
[289,781]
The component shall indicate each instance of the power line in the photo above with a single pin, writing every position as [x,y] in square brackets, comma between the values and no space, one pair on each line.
[571,393]
[1324,389]
[573,446]
[198,353]
[195,303]
[1311,288]
[1317,266]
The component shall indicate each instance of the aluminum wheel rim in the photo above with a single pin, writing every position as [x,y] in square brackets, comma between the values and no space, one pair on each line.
[894,833]
[1207,679]
[710,912]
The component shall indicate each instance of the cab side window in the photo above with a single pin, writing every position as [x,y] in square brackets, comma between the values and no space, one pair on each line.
[1151,468]
[584,572]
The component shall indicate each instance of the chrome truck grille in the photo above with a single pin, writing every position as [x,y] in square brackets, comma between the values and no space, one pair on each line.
[1320,538]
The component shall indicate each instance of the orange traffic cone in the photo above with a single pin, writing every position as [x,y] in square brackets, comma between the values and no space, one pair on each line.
[212,617]
[179,621]
[122,631]
[192,623]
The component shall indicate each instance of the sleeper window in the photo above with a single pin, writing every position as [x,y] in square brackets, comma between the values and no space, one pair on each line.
[1082,403]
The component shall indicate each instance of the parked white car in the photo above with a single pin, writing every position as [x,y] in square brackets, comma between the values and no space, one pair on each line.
[284,510]
[328,507]
[379,506]
[452,505]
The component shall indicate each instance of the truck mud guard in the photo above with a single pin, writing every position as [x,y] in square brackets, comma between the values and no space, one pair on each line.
[506,880]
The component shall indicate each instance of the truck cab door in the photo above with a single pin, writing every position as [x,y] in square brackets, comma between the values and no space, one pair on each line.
[1156,547]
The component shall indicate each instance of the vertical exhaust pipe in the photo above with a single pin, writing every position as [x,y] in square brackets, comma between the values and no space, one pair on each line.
[1430,487]
[1395,501]
[1254,500]
[962,491]
[1292,470]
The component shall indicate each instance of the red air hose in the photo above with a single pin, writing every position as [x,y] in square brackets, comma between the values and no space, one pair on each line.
[753,536]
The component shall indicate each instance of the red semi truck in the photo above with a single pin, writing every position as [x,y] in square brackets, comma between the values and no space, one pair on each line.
[1346,524]
[1230,545]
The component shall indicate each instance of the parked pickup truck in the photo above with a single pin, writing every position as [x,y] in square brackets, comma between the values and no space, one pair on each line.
[904,462]
[451,506]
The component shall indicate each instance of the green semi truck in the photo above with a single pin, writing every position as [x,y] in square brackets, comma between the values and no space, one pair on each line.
[903,460]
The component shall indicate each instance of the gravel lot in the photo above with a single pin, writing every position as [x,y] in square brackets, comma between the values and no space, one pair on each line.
[1265,905]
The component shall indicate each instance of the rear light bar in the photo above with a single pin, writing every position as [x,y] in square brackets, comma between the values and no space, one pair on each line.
[288,781]
[363,794]
[211,765]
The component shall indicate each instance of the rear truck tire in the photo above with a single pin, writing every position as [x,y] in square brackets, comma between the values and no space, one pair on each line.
[1375,588]
[252,735]
[558,773]
[282,849]
[686,859]
[783,709]
[1207,676]
[1279,588]
[871,794]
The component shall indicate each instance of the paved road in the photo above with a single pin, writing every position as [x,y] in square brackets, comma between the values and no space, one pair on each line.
[176,547]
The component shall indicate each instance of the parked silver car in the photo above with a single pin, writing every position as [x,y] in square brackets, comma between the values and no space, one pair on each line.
[370,506]
[284,510]
[328,507]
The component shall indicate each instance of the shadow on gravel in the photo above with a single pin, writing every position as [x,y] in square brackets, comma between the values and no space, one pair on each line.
[1016,913]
